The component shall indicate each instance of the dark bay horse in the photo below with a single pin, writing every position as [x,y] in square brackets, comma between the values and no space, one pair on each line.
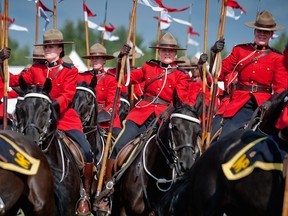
[36,118]
[241,174]
[85,104]
[166,155]
[32,193]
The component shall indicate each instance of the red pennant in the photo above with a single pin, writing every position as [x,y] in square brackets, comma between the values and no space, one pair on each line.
[161,20]
[190,30]
[41,5]
[110,28]
[235,5]
[159,2]
[86,9]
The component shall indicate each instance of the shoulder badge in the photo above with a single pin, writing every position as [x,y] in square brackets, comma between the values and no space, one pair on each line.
[67,65]
[244,44]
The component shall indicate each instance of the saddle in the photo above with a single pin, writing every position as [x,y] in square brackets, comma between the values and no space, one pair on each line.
[75,150]
[125,154]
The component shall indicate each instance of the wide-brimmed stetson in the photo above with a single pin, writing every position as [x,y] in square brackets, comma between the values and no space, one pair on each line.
[97,50]
[53,36]
[38,53]
[264,21]
[194,62]
[184,63]
[168,42]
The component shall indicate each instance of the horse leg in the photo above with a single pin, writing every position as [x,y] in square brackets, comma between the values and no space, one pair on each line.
[10,191]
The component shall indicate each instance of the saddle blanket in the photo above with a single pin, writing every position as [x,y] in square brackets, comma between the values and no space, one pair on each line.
[264,152]
[16,159]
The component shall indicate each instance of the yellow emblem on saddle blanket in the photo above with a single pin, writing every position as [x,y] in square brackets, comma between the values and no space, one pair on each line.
[16,159]
[245,161]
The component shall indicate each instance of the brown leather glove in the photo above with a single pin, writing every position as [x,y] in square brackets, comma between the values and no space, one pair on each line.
[5,53]
[203,58]
[124,50]
[218,46]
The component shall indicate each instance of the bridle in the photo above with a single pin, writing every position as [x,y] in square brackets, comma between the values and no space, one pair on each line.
[92,108]
[41,131]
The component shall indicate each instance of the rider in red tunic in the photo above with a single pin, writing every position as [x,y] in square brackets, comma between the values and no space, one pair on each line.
[64,81]
[161,79]
[105,88]
[258,71]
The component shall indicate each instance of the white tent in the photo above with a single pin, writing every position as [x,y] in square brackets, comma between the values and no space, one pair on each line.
[77,61]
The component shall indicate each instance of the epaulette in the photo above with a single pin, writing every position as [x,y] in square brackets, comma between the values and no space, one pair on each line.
[153,61]
[67,65]
[183,70]
[275,50]
[244,44]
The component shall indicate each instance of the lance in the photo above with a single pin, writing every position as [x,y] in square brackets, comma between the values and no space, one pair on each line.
[119,85]
[158,35]
[54,15]
[204,80]
[5,65]
[104,23]
[214,88]
[36,24]
[86,36]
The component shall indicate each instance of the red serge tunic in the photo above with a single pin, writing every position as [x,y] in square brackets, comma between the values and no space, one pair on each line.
[63,90]
[105,91]
[163,88]
[266,71]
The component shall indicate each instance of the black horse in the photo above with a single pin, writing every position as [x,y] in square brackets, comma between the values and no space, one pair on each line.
[30,191]
[241,174]
[36,118]
[162,155]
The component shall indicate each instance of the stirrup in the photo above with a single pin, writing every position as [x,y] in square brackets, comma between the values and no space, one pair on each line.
[101,211]
[83,198]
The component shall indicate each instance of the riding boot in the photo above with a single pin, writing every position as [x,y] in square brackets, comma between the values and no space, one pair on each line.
[84,204]
[109,170]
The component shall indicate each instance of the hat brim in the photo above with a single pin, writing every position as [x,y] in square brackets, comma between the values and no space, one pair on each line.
[28,57]
[167,47]
[275,28]
[107,57]
[54,43]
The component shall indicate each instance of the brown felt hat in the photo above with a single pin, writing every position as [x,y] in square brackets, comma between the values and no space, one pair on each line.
[53,36]
[97,50]
[264,21]
[67,59]
[168,42]
[194,62]
[38,53]
[184,62]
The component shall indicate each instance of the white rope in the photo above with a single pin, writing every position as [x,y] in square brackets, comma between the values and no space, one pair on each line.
[186,117]
[39,95]
[158,180]
[86,89]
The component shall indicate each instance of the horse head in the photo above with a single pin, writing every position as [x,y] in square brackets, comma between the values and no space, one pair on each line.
[85,103]
[35,112]
[184,135]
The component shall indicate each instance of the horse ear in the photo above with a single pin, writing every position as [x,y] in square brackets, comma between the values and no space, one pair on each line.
[47,85]
[23,84]
[198,104]
[93,82]
[176,100]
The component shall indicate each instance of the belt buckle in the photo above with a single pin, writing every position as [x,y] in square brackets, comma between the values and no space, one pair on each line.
[254,88]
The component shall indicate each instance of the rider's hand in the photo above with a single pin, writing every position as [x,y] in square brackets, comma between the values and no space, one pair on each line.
[218,46]
[124,50]
[5,53]
[203,58]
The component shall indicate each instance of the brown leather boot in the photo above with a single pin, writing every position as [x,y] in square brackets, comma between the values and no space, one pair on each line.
[109,170]
[84,204]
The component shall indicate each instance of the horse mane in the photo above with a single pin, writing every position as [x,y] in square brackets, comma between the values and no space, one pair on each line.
[273,112]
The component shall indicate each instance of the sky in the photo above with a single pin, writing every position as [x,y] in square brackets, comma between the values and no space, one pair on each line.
[118,12]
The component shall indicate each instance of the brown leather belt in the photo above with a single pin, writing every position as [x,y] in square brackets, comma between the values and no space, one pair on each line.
[156,100]
[254,88]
